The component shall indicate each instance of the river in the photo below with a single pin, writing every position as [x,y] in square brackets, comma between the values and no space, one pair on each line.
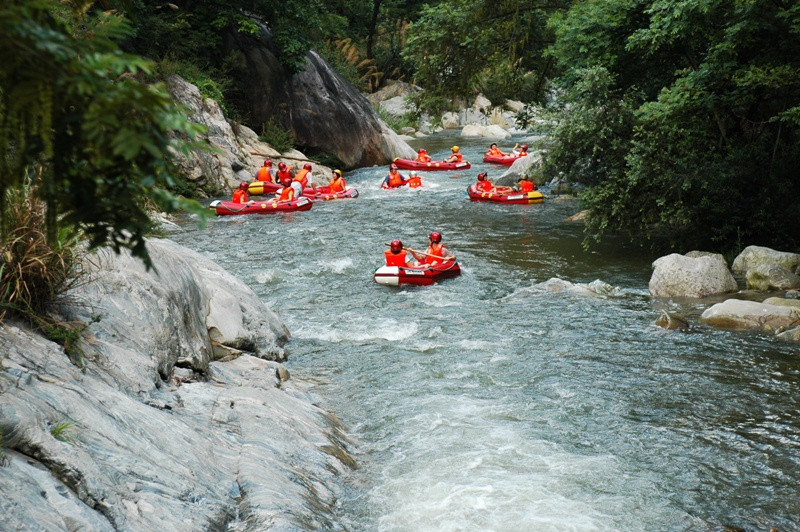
[494,401]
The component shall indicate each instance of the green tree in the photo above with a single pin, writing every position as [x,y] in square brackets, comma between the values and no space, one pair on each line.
[75,118]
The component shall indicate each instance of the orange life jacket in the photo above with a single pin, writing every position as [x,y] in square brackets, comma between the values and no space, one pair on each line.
[287,194]
[484,186]
[395,259]
[264,174]
[423,158]
[433,249]
[495,152]
[281,174]
[395,179]
[301,176]
[523,154]
[526,186]
[239,196]
[459,157]
[414,182]
[338,184]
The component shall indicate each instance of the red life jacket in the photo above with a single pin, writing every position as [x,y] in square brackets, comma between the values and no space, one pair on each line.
[395,179]
[459,157]
[281,174]
[423,158]
[414,182]
[484,186]
[287,194]
[433,249]
[239,196]
[301,176]
[395,259]
[264,174]
[525,186]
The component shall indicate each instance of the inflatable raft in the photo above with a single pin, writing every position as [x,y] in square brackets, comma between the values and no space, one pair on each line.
[505,195]
[408,164]
[259,188]
[507,160]
[229,208]
[422,275]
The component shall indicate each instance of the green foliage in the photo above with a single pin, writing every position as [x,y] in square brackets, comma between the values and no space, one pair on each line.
[276,136]
[691,137]
[73,112]
[396,123]
[64,432]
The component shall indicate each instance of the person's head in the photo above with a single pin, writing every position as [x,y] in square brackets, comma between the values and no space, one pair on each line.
[243,185]
[524,147]
[422,150]
[493,145]
[454,149]
[412,173]
[435,237]
[337,173]
[393,167]
[307,167]
[286,181]
[396,246]
[267,163]
[281,165]
[481,176]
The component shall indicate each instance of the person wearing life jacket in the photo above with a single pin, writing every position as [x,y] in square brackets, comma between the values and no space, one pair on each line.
[305,177]
[436,252]
[455,156]
[337,184]
[525,185]
[414,180]
[394,179]
[520,151]
[283,171]
[266,173]
[287,193]
[483,184]
[396,255]
[494,151]
[240,194]
[422,156]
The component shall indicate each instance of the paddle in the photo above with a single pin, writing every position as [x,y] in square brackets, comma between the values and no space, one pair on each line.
[423,253]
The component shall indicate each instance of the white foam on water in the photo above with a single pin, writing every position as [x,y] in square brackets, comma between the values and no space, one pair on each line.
[336,265]
[359,332]
[267,276]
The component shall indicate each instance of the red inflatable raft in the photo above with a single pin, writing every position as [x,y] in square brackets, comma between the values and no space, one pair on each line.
[422,275]
[229,208]
[408,164]
[505,195]
[507,160]
[258,188]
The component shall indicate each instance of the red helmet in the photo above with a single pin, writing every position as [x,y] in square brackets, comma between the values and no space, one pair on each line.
[524,147]
[243,185]
[392,166]
[422,150]
[307,166]
[282,165]
[481,176]
[286,181]
[435,237]
[396,246]
[267,163]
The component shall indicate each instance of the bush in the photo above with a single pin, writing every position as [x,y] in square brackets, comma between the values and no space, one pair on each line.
[276,136]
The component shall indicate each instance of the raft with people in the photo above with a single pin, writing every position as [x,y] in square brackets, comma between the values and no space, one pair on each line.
[424,274]
[269,206]
[505,160]
[409,164]
[505,195]
[324,193]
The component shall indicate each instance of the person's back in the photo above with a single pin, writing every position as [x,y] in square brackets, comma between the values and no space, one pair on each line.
[525,185]
[396,255]
[240,194]
[265,173]
[304,176]
[455,156]
[422,156]
[288,192]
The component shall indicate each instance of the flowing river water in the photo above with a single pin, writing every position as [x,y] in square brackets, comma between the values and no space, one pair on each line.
[499,400]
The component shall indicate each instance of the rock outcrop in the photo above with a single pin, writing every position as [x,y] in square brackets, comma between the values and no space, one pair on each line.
[768,269]
[737,313]
[699,275]
[180,417]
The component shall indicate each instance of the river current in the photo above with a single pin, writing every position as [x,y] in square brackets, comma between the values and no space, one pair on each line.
[501,400]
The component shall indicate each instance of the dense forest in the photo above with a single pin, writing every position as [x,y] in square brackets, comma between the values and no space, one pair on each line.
[680,119]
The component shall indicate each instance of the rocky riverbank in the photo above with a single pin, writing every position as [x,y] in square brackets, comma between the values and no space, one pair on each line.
[180,415]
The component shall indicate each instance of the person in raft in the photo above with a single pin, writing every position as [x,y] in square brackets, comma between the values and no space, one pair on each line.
[422,156]
[414,180]
[394,179]
[520,151]
[455,156]
[483,184]
[436,252]
[266,173]
[337,184]
[525,184]
[305,178]
[494,151]
[287,193]
[283,171]
[396,255]
[240,194]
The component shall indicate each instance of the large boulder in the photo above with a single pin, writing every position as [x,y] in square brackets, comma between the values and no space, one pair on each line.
[737,313]
[524,166]
[678,275]
[766,268]
[321,109]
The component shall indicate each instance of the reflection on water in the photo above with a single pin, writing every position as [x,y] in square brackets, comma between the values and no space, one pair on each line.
[533,392]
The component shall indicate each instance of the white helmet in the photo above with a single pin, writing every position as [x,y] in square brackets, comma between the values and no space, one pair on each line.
[412,173]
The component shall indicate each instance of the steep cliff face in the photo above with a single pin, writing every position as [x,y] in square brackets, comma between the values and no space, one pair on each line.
[181,418]
[322,110]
